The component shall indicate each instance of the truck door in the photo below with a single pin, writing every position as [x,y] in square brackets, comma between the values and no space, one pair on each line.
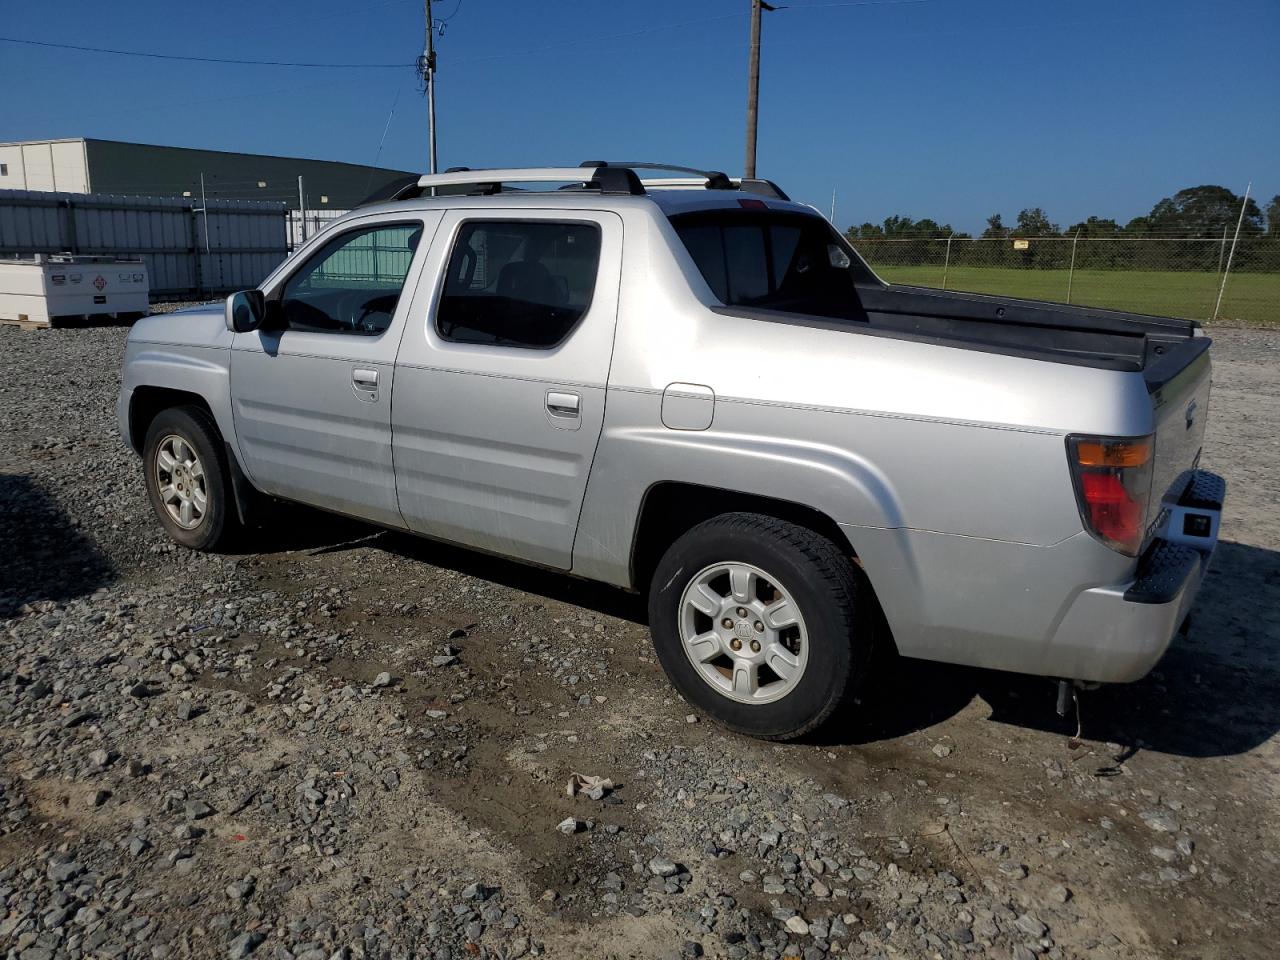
[500,386]
[311,391]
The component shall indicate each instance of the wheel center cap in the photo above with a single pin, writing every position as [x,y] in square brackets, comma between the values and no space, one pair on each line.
[742,630]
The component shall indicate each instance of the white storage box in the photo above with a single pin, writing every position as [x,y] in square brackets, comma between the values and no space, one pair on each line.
[38,291]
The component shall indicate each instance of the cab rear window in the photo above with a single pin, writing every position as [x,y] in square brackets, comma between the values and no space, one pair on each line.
[776,261]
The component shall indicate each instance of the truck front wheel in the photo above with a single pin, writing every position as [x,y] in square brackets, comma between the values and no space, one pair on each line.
[760,623]
[187,479]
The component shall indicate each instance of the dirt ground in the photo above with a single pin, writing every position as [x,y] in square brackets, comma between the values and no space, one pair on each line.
[350,743]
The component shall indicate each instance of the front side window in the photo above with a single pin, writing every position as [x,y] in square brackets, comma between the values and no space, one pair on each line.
[518,283]
[353,283]
[779,261]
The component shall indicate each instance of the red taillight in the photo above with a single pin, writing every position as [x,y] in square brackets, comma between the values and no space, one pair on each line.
[1113,483]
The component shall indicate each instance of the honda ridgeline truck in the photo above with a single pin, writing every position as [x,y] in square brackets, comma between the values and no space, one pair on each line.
[695,388]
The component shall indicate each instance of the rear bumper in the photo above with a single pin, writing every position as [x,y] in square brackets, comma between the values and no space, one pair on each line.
[1116,634]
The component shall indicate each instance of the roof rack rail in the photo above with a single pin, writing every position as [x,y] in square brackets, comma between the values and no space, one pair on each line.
[608,177]
[714,178]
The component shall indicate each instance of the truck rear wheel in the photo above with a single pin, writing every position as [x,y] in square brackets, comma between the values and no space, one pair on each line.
[187,480]
[760,623]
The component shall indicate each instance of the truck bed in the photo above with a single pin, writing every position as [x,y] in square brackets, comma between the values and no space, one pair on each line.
[1158,347]
[1086,336]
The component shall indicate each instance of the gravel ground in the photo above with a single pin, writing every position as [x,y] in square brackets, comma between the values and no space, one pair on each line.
[355,744]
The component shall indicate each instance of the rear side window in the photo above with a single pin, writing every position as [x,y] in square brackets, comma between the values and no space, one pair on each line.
[778,261]
[518,283]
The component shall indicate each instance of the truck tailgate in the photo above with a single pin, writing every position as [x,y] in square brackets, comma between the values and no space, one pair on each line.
[1179,385]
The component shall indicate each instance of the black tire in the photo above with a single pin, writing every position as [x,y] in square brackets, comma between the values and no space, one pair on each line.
[219,523]
[823,581]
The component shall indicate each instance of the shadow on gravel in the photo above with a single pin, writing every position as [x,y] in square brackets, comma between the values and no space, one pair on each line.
[302,528]
[44,556]
[599,597]
[1215,693]
[96,320]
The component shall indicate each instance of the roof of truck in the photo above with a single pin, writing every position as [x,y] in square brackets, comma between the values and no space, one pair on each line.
[590,185]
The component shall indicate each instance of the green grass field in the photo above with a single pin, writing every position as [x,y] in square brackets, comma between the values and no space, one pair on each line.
[1251,298]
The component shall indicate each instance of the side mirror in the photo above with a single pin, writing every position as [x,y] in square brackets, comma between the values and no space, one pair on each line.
[245,311]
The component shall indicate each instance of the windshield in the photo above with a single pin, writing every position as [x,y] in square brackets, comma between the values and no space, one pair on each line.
[779,261]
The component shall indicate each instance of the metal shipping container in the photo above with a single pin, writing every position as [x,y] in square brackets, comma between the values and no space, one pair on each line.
[37,291]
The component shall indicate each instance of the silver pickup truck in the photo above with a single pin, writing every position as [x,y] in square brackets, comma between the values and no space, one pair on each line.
[695,388]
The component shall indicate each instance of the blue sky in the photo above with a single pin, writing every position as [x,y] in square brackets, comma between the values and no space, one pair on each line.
[952,109]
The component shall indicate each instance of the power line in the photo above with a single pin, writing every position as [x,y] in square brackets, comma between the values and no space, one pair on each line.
[854,3]
[456,8]
[608,36]
[224,60]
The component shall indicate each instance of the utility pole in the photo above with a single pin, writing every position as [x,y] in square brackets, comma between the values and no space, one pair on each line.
[428,67]
[753,85]
[302,213]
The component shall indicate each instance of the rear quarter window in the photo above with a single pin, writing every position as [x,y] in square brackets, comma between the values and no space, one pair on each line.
[789,262]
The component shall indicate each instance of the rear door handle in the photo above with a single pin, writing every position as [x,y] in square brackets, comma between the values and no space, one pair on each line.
[564,404]
[564,409]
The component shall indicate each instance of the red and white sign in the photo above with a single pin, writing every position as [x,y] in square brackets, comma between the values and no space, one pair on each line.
[99,281]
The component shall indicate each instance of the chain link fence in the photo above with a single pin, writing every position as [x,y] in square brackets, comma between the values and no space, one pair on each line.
[303,225]
[1166,276]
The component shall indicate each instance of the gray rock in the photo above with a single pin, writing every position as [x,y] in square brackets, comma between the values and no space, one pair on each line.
[797,925]
[662,867]
[1031,925]
[1059,893]
[65,870]
[941,750]
[382,680]
[243,945]
[1159,821]
[569,826]
[197,810]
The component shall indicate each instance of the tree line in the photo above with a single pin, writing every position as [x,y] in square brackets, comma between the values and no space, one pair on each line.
[1203,212]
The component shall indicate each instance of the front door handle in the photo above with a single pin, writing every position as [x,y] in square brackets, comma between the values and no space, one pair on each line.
[364,384]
